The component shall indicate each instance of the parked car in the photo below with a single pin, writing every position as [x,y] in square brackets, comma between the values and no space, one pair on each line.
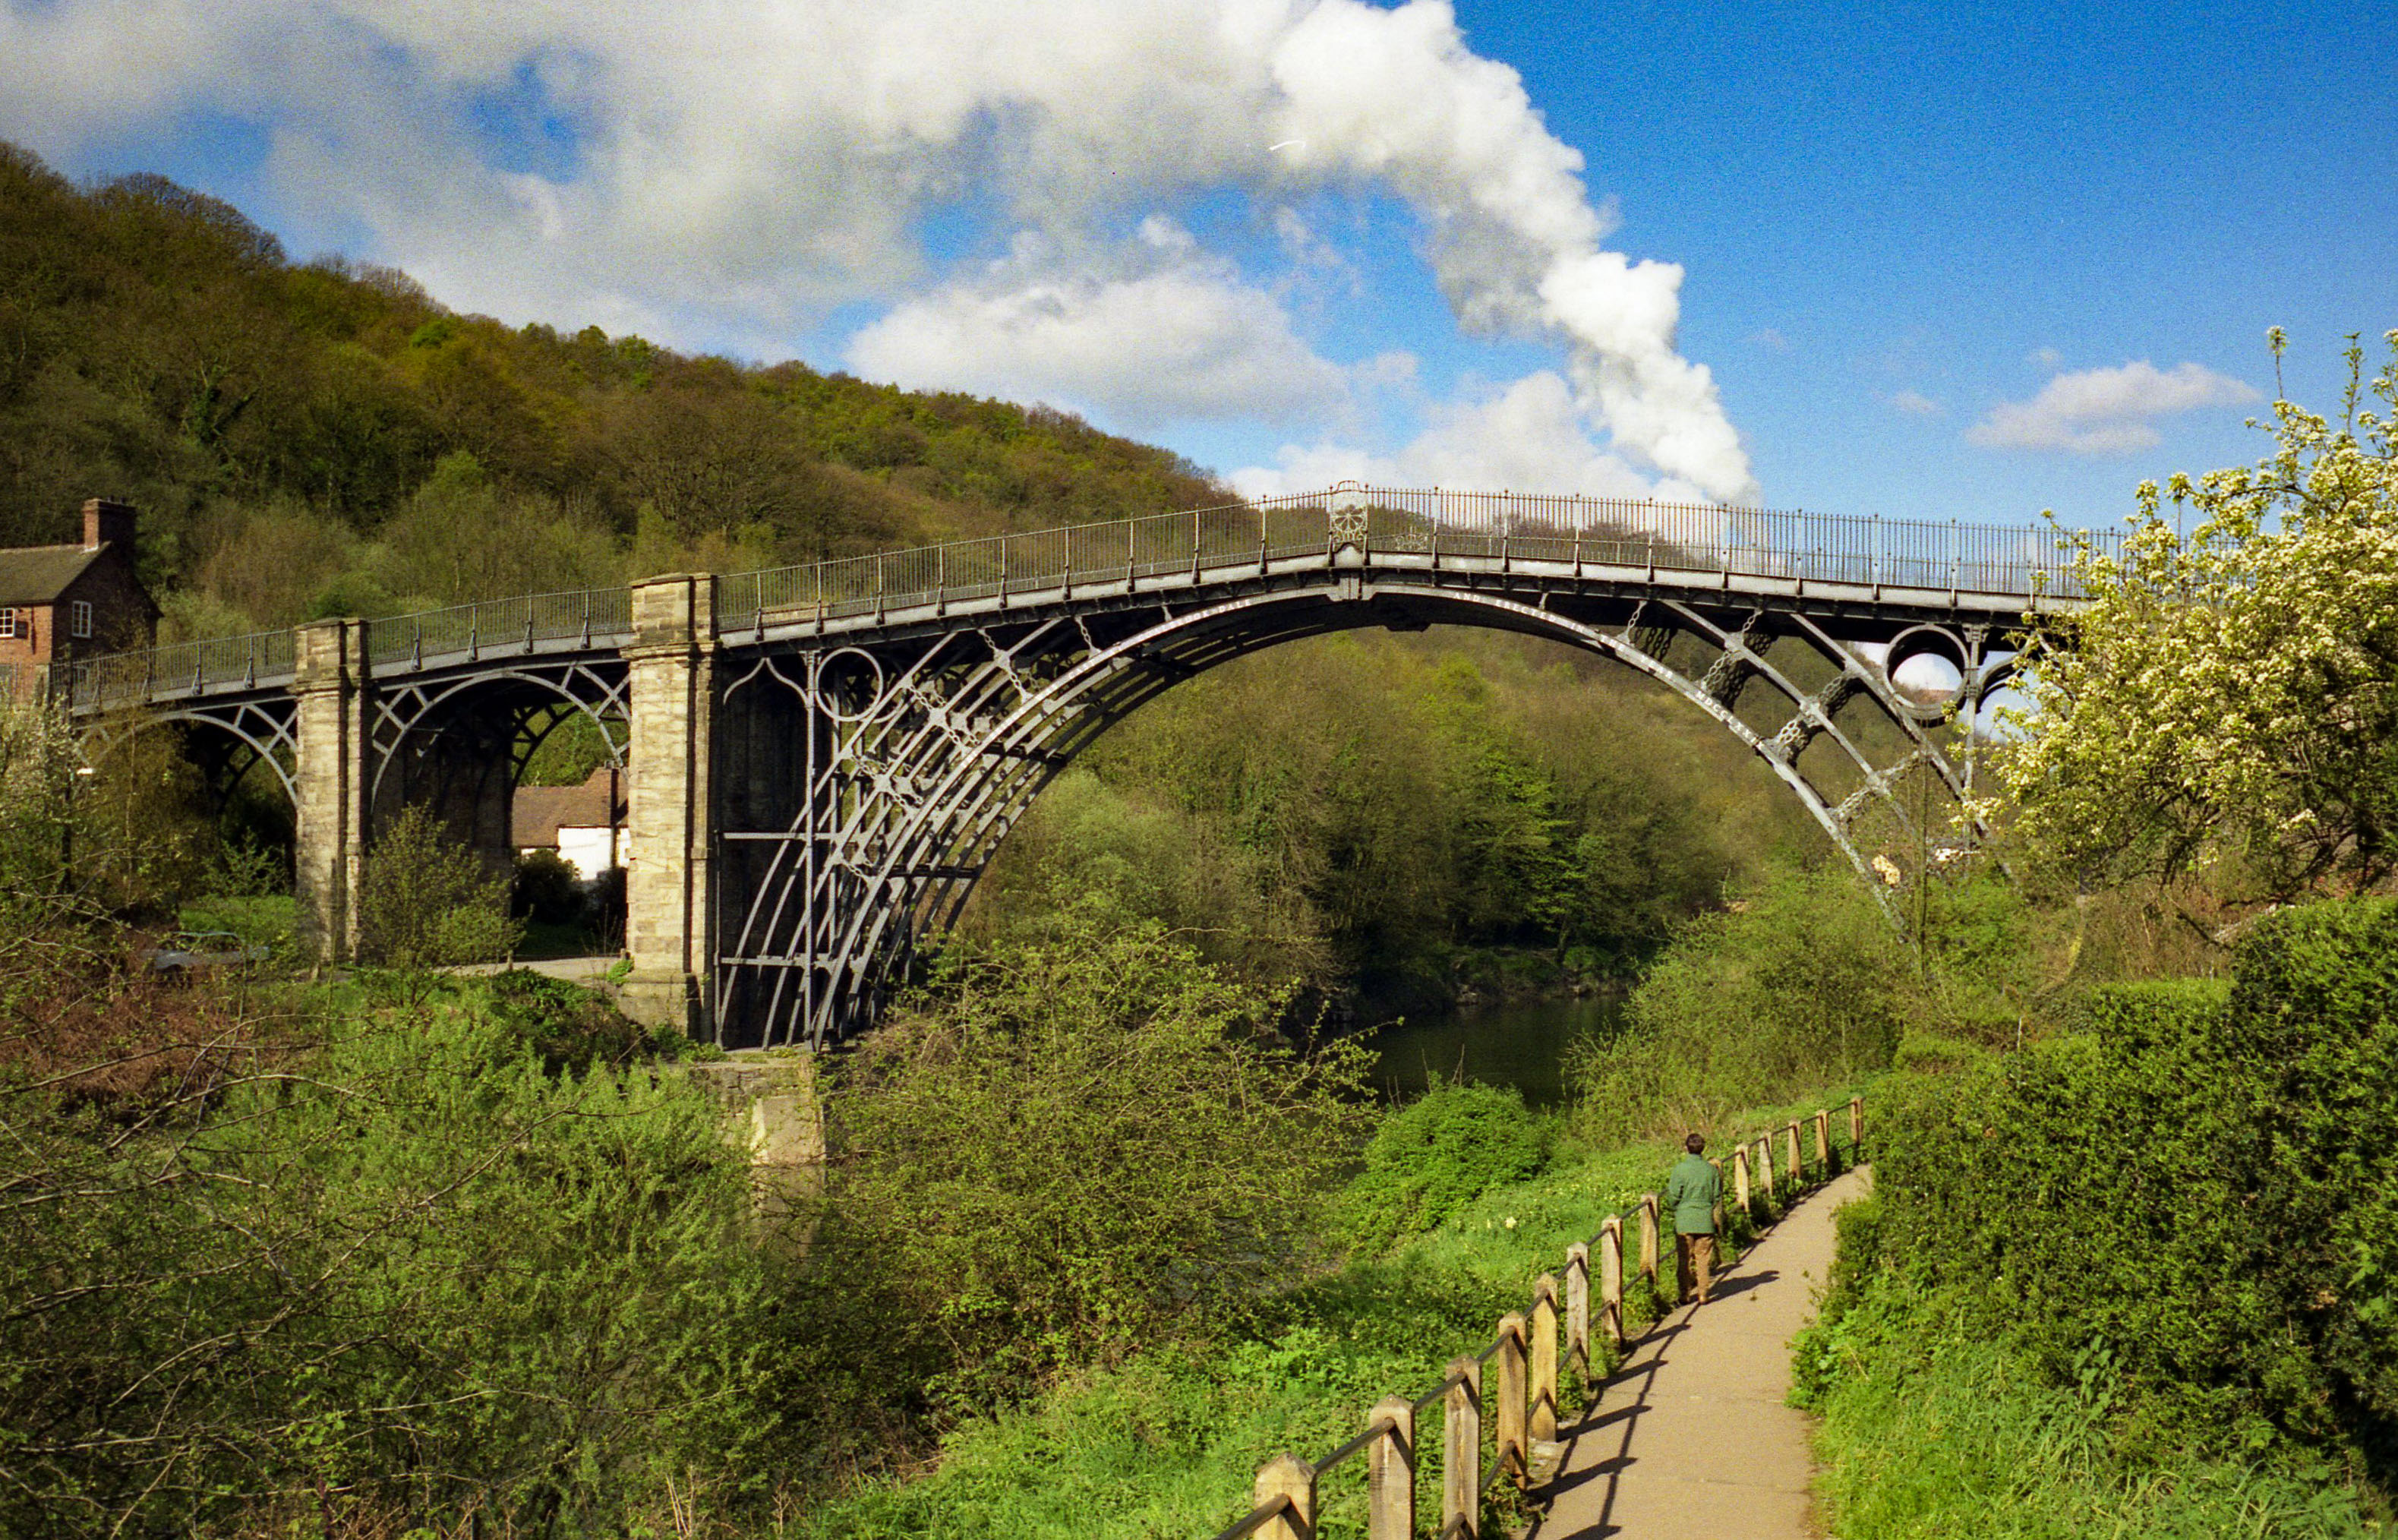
[184,950]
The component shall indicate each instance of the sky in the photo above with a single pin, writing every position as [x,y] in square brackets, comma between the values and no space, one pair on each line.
[1950,261]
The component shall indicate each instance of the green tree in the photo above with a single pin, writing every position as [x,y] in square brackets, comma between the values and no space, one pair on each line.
[426,903]
[1082,1145]
[2229,702]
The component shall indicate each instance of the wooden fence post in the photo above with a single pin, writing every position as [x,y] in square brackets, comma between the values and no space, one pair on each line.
[1610,1277]
[1293,1479]
[1716,1217]
[1740,1178]
[1461,1451]
[1824,1139]
[1648,1238]
[1391,1472]
[1765,1165]
[1797,1166]
[1856,1126]
[1543,1414]
[1577,1307]
[1509,1445]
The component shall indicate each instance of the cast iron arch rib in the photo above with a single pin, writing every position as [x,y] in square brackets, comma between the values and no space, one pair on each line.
[915,790]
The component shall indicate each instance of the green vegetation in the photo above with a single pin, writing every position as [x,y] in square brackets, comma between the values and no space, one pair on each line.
[326,439]
[426,904]
[1405,819]
[2155,1251]
[354,1266]
[1167,1442]
[1428,1159]
[1077,1146]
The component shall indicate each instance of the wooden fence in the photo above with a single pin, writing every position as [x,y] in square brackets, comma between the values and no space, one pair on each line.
[1504,1398]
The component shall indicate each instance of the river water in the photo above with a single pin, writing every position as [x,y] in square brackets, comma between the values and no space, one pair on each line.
[1521,1045]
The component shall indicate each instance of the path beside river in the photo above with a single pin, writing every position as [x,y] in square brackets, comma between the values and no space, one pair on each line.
[1691,1440]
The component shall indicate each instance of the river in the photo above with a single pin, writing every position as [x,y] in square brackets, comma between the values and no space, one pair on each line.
[1519,1045]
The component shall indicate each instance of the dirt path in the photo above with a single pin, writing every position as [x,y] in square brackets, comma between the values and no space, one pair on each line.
[1689,1440]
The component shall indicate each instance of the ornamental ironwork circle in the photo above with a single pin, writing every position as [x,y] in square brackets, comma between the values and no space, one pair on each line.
[1348,515]
[847,665]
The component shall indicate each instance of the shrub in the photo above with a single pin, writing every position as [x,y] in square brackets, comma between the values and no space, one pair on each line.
[1080,1145]
[417,1280]
[547,888]
[2203,1187]
[426,904]
[1804,985]
[567,1026]
[1430,1158]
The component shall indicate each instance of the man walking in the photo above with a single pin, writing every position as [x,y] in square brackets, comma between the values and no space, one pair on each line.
[1691,1191]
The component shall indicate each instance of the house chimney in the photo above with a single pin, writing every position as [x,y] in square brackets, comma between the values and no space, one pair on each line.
[107,522]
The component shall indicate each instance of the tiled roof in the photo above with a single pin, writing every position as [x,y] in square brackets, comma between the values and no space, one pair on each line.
[541,811]
[37,574]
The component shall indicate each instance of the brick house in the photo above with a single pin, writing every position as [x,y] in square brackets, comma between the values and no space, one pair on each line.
[59,603]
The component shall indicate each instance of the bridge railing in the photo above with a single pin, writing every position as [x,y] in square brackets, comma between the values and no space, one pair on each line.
[128,679]
[1867,552]
[580,617]
[1434,523]
[1503,1400]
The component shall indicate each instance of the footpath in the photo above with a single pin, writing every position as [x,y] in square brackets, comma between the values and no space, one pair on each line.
[1690,1439]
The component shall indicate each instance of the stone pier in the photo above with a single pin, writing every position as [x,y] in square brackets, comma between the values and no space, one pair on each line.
[669,916]
[331,785]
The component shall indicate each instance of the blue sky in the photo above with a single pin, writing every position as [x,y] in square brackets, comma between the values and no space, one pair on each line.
[1933,260]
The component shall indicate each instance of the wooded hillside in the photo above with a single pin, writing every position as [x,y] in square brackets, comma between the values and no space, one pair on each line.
[325,436]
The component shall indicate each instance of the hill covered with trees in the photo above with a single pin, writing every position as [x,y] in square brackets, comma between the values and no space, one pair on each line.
[323,437]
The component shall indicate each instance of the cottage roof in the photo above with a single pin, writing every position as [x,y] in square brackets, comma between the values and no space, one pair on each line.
[37,574]
[540,811]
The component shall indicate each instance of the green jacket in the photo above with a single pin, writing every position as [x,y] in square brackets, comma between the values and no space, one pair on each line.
[1690,1193]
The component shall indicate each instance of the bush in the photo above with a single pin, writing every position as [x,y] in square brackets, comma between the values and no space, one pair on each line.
[426,904]
[1430,1158]
[567,1026]
[1080,1145]
[547,889]
[417,1280]
[2203,1187]
[1800,987]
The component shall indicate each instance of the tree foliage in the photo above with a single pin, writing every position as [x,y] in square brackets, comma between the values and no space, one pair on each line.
[2230,702]
[326,437]
[367,1274]
[1800,986]
[425,902]
[1084,1144]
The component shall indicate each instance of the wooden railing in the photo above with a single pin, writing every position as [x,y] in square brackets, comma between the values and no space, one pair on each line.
[1520,1368]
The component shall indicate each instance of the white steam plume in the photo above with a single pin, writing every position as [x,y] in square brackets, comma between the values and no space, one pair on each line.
[736,166]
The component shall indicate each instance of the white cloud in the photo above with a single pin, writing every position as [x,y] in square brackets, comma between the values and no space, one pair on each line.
[740,168]
[1916,405]
[1532,436]
[1188,341]
[2106,411]
[2046,358]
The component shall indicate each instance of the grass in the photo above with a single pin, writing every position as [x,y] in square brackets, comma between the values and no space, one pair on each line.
[1928,1431]
[1167,1443]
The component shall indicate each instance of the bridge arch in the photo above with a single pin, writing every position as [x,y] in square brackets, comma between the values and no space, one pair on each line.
[924,756]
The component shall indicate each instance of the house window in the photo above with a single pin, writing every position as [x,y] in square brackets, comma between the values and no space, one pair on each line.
[8,625]
[80,614]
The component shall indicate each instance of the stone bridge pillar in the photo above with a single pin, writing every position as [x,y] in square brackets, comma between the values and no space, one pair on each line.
[671,700]
[328,842]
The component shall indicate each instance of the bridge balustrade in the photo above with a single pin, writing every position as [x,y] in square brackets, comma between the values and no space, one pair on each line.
[1516,1423]
[833,751]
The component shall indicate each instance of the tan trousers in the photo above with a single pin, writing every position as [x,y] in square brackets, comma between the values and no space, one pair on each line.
[1697,1256]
